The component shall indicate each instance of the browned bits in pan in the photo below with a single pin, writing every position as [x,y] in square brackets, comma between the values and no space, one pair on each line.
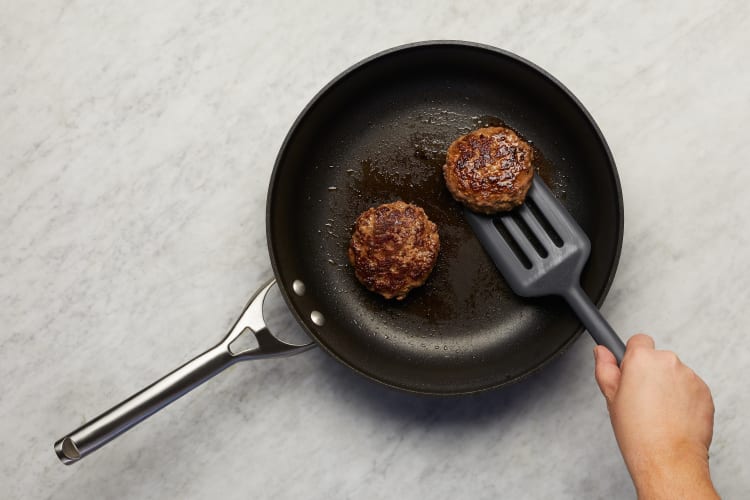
[490,169]
[393,248]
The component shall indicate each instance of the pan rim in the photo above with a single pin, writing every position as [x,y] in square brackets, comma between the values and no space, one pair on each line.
[284,287]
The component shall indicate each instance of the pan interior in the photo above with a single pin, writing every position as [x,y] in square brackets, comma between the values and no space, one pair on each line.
[378,134]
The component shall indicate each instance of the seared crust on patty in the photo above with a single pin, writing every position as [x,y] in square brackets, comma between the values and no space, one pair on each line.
[489,170]
[393,248]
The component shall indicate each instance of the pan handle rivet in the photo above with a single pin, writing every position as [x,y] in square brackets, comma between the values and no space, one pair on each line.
[298,287]
[318,318]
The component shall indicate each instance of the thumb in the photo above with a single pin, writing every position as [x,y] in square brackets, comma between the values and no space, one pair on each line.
[607,372]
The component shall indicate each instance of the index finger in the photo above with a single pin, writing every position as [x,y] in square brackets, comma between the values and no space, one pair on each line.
[640,341]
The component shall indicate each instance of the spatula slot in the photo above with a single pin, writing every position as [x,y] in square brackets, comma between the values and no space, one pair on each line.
[511,242]
[530,235]
[554,237]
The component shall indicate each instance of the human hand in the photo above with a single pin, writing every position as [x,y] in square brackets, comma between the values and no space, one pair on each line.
[662,414]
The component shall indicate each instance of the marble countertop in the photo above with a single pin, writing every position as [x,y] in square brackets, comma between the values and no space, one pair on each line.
[136,144]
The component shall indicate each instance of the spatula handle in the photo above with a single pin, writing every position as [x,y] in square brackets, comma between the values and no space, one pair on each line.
[594,322]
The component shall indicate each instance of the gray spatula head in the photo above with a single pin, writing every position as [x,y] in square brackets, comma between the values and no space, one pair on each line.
[541,250]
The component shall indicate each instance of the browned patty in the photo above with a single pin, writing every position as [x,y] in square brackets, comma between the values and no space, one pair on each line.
[489,170]
[393,248]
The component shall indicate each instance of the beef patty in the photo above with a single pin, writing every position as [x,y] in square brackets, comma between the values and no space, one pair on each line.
[489,170]
[393,248]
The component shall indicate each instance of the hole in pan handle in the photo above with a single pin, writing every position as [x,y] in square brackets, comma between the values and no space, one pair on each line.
[115,421]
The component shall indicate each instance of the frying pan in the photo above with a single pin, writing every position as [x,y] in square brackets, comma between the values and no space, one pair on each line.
[378,133]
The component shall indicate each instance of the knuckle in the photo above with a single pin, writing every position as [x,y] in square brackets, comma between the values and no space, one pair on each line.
[671,358]
[635,355]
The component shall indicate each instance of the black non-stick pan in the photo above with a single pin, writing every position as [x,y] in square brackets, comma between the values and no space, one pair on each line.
[378,133]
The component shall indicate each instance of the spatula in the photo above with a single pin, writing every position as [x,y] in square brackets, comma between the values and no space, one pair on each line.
[540,250]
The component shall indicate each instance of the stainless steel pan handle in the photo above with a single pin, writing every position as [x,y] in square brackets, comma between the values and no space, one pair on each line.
[115,421]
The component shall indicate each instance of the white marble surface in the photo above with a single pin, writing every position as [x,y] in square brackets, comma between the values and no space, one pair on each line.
[136,143]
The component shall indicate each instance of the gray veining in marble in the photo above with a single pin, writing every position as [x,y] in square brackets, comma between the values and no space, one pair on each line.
[136,143]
